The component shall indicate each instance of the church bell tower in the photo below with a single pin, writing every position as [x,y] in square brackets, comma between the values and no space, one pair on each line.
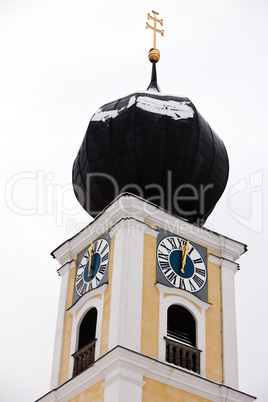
[147,301]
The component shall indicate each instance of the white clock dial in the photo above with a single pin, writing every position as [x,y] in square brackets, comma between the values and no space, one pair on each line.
[92,266]
[181,263]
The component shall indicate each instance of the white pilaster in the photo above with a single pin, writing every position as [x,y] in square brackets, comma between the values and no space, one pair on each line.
[123,384]
[123,374]
[56,363]
[126,295]
[230,364]
[229,339]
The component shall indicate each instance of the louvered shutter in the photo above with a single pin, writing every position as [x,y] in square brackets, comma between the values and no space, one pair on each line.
[181,325]
[87,331]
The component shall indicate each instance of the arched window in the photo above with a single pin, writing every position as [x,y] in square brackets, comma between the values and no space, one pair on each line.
[85,354]
[87,330]
[181,325]
[181,349]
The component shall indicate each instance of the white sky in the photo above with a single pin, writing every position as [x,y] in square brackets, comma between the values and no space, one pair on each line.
[61,61]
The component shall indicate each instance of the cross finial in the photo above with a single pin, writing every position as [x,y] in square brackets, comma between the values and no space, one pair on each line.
[149,17]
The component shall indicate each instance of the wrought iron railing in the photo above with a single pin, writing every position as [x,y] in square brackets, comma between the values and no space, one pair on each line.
[83,358]
[183,355]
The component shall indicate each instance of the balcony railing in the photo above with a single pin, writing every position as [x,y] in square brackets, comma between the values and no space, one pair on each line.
[183,355]
[83,358]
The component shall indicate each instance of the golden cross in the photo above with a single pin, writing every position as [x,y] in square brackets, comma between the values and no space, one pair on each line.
[149,17]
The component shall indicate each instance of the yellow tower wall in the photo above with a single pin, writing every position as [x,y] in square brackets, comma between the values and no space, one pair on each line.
[94,393]
[150,300]
[158,392]
[214,364]
[107,305]
[66,347]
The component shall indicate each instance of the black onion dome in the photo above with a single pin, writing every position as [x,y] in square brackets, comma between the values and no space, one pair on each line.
[155,146]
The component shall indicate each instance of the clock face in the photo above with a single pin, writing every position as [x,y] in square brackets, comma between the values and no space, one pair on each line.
[181,264]
[92,266]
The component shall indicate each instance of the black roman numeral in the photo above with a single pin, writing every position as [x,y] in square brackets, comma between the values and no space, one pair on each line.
[172,277]
[190,251]
[172,242]
[191,285]
[99,246]
[102,269]
[198,261]
[198,281]
[166,270]
[164,264]
[97,280]
[79,276]
[105,257]
[182,284]
[182,242]
[200,271]
[162,255]
[163,245]
[104,248]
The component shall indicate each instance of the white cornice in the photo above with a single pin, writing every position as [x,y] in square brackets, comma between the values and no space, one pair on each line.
[128,206]
[214,259]
[222,262]
[66,267]
[230,264]
[124,362]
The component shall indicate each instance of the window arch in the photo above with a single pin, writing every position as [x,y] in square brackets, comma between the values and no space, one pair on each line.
[85,355]
[181,325]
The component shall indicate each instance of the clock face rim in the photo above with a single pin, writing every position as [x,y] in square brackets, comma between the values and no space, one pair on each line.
[182,278]
[101,270]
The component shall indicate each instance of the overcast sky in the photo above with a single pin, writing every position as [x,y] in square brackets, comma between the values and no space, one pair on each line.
[60,61]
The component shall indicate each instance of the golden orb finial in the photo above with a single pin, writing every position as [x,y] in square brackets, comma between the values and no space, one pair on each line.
[154,54]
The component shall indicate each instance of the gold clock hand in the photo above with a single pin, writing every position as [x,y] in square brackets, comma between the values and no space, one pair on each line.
[184,249]
[90,261]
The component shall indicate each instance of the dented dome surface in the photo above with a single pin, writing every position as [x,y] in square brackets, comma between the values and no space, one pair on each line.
[155,146]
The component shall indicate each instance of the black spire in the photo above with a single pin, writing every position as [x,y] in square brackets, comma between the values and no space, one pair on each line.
[153,84]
